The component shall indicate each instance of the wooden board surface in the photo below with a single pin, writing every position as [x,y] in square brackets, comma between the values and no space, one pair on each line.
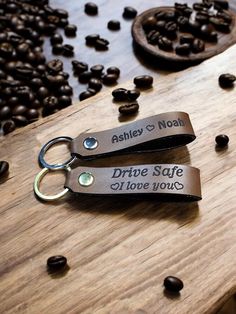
[119,251]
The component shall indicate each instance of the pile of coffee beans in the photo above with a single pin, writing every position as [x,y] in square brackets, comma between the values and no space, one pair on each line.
[185,30]
[94,76]
[131,96]
[29,85]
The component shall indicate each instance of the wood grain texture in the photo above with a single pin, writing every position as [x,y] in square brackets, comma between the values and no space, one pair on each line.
[120,250]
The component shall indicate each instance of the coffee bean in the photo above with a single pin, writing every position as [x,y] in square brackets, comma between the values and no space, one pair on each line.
[133,94]
[8,127]
[225,16]
[183,49]
[42,92]
[165,15]
[50,102]
[120,94]
[32,114]
[54,66]
[56,263]
[202,19]
[91,8]
[143,81]
[222,4]
[97,70]
[41,68]
[91,39]
[194,27]
[198,6]
[198,46]
[226,80]
[109,79]
[70,30]
[56,39]
[79,67]
[222,140]
[129,109]
[64,101]
[207,3]
[85,95]
[160,26]
[170,29]
[5,113]
[57,49]
[63,22]
[4,168]
[22,49]
[153,37]
[13,101]
[61,13]
[183,23]
[65,90]
[208,32]
[129,13]
[85,77]
[65,75]
[36,104]
[19,110]
[113,25]
[173,284]
[220,24]
[149,23]
[165,44]
[95,84]
[20,120]
[68,50]
[186,39]
[36,83]
[113,70]
[6,50]
[101,44]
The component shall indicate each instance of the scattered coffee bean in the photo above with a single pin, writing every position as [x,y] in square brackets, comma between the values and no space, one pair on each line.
[91,8]
[57,49]
[70,30]
[4,168]
[173,284]
[120,94]
[183,49]
[222,140]
[133,94]
[91,39]
[113,25]
[227,80]
[97,70]
[85,76]
[85,95]
[101,44]
[109,79]
[129,13]
[8,127]
[95,84]
[67,50]
[143,81]
[113,70]
[129,109]
[79,67]
[56,263]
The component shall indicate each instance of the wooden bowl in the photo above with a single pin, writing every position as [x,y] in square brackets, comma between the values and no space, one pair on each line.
[225,40]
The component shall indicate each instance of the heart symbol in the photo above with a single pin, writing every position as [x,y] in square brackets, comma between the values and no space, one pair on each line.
[115,186]
[150,127]
[179,186]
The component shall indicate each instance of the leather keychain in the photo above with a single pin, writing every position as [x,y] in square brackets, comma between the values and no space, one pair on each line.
[164,131]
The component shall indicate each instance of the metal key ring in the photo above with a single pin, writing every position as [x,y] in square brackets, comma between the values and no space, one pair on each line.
[38,180]
[46,147]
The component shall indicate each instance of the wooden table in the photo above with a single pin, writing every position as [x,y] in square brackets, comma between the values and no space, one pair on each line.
[120,251]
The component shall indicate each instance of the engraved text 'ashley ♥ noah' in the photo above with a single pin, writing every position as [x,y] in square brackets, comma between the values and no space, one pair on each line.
[162,124]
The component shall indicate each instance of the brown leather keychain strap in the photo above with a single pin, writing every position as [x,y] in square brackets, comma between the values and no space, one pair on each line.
[168,181]
[163,131]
